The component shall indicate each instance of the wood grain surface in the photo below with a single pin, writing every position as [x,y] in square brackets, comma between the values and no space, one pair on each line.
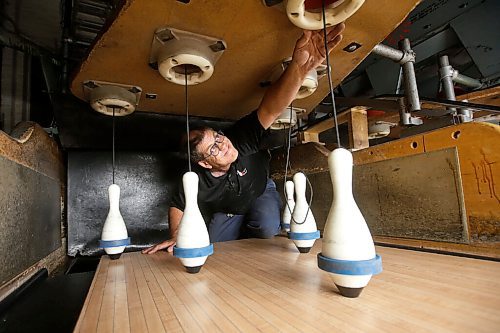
[267,286]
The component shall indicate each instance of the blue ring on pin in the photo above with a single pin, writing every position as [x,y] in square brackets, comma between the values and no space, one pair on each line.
[286,225]
[193,252]
[347,267]
[114,243]
[303,235]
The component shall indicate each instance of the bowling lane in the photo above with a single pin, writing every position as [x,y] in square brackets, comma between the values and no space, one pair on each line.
[266,285]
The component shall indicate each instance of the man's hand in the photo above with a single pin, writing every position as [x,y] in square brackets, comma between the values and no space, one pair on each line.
[308,54]
[310,51]
[168,244]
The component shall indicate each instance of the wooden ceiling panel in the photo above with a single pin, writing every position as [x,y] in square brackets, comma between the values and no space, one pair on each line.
[258,38]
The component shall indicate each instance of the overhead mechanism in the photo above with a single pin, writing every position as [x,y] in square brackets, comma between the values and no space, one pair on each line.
[287,118]
[307,14]
[309,85]
[177,54]
[379,129]
[107,97]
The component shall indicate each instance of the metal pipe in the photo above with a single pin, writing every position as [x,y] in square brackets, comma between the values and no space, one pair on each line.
[404,116]
[66,22]
[400,81]
[446,78]
[405,57]
[388,52]
[411,89]
[466,81]
[465,115]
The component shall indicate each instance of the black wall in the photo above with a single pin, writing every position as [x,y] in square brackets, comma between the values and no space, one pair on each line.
[146,181]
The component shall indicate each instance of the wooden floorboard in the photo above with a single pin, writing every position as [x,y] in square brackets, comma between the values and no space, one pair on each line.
[267,286]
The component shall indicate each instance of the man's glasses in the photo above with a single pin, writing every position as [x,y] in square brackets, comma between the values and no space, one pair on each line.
[215,149]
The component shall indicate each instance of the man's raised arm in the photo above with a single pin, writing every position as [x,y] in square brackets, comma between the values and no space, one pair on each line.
[308,54]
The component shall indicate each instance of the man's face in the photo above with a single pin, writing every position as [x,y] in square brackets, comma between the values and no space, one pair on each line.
[218,150]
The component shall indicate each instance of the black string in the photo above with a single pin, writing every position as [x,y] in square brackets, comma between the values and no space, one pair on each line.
[113,144]
[187,115]
[329,76]
[288,165]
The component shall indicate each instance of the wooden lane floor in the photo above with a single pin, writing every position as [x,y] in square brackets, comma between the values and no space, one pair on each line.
[268,286]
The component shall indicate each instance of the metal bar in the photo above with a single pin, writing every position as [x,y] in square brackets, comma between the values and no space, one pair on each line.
[385,105]
[411,89]
[388,52]
[467,81]
[446,102]
[446,77]
[404,116]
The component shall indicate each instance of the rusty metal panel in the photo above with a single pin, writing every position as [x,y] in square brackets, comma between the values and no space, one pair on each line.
[418,196]
[30,217]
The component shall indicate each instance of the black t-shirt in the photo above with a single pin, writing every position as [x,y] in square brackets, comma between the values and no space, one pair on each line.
[246,179]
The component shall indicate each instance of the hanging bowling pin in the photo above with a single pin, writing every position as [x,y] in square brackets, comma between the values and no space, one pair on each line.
[114,236]
[348,251]
[303,230]
[289,205]
[193,243]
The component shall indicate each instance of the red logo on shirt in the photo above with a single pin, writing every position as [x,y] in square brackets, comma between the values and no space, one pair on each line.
[242,173]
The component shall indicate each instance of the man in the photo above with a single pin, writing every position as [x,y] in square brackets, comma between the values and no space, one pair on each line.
[234,187]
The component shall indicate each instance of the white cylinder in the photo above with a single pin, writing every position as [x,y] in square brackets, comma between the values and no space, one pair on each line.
[346,234]
[302,218]
[192,232]
[114,227]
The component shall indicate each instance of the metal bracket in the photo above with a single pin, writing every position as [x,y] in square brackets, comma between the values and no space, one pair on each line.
[177,54]
[108,97]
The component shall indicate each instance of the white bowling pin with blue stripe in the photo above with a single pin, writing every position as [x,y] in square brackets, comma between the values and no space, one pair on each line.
[114,237]
[193,242]
[303,230]
[348,251]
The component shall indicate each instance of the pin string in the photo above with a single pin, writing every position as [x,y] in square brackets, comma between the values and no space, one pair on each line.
[328,70]
[113,143]
[187,116]
[288,165]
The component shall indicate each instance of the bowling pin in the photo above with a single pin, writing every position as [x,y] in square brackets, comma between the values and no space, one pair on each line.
[303,230]
[348,251]
[114,237]
[193,243]
[289,205]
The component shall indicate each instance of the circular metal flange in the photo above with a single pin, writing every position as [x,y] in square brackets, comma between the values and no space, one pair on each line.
[312,19]
[186,58]
[105,98]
